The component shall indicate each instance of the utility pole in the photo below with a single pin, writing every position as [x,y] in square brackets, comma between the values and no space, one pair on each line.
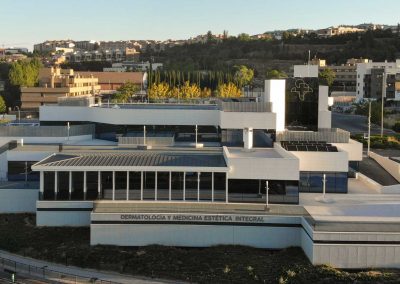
[267,195]
[369,128]
[383,100]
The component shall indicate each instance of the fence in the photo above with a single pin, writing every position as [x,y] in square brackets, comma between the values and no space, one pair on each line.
[46,131]
[152,139]
[331,135]
[244,106]
[43,273]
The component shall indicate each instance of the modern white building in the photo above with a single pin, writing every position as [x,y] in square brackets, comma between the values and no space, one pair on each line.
[190,175]
[372,77]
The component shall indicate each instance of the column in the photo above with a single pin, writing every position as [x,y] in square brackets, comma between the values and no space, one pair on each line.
[55,185]
[184,186]
[198,186]
[155,186]
[226,187]
[212,187]
[127,185]
[99,185]
[141,185]
[169,188]
[113,185]
[41,188]
[84,185]
[70,186]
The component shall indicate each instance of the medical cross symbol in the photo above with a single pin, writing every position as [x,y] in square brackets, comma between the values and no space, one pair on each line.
[301,88]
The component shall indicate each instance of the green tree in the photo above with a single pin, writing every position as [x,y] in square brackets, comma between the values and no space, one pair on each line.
[243,75]
[159,91]
[276,74]
[25,73]
[125,92]
[225,35]
[190,91]
[243,37]
[2,105]
[327,76]
[210,37]
[229,90]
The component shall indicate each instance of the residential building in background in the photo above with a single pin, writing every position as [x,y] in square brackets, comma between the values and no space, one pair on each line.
[110,55]
[53,45]
[375,78]
[55,83]
[109,82]
[133,66]
[333,31]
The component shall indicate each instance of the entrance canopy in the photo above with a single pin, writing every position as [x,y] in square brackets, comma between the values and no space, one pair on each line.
[135,160]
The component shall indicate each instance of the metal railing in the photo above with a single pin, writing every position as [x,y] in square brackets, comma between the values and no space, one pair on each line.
[245,106]
[46,131]
[44,273]
[329,135]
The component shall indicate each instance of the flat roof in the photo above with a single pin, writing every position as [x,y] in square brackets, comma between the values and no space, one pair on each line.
[236,152]
[135,158]
[162,106]
[375,217]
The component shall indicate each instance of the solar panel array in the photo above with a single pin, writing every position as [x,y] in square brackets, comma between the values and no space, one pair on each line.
[308,146]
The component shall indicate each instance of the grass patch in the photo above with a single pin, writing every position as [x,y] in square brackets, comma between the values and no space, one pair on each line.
[220,264]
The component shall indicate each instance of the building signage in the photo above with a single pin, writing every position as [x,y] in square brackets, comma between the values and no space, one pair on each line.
[185,218]
[191,218]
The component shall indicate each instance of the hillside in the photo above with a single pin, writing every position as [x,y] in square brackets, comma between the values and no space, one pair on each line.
[264,55]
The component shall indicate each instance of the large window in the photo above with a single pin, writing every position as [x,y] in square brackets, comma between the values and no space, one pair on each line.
[21,171]
[336,182]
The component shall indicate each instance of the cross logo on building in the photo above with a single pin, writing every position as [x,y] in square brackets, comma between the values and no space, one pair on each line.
[301,88]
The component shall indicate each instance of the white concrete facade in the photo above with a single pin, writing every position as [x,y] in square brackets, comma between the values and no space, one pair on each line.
[322,161]
[273,164]
[18,200]
[324,114]
[167,116]
[275,93]
[63,213]
[308,71]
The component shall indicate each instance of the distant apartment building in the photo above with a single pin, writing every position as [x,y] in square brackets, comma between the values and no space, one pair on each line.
[15,50]
[114,55]
[334,31]
[378,79]
[55,83]
[133,66]
[53,45]
[109,82]
[8,56]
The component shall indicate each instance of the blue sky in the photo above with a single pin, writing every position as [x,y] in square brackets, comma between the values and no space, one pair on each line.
[24,22]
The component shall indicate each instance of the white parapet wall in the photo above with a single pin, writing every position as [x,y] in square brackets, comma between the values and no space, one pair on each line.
[275,93]
[194,230]
[305,71]
[322,161]
[18,200]
[354,149]
[63,213]
[392,167]
[261,163]
[166,116]
[324,115]
[241,120]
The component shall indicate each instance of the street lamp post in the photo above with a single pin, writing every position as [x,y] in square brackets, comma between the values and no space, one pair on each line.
[266,195]
[323,186]
[369,128]
[19,113]
[383,96]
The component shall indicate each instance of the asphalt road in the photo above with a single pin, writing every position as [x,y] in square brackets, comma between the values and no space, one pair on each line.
[356,124]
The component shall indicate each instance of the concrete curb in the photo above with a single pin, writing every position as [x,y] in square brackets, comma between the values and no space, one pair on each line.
[368,180]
